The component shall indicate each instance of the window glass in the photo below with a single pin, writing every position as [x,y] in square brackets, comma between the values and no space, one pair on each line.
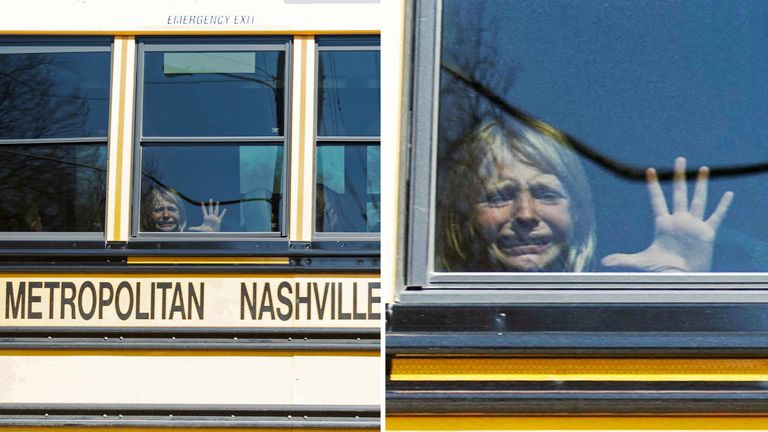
[54,95]
[348,126]
[349,93]
[245,181]
[552,110]
[212,143]
[54,110]
[53,188]
[210,93]
[348,194]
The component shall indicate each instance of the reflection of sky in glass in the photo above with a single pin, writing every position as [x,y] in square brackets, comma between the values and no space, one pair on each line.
[643,82]
[349,93]
[216,98]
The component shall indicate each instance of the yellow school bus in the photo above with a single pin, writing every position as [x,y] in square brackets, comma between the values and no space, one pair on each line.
[191,215]
[574,241]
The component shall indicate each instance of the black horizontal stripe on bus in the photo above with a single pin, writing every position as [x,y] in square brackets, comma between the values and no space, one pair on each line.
[32,257]
[189,248]
[213,338]
[253,332]
[581,317]
[580,344]
[318,266]
[192,415]
[567,330]
[574,398]
[186,344]
[567,387]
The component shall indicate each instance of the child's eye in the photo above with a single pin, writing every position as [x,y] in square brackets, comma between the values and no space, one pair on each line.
[549,195]
[494,198]
[499,197]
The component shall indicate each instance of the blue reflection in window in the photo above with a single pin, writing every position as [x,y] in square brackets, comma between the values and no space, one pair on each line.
[53,188]
[642,82]
[214,94]
[348,196]
[245,179]
[54,95]
[349,92]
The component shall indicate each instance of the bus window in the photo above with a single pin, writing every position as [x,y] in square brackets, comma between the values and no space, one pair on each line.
[571,138]
[348,136]
[212,135]
[54,102]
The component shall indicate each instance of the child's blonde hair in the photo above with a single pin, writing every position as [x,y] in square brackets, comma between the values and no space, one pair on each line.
[459,246]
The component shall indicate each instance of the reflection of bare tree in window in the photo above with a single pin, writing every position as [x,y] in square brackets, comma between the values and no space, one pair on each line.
[473,49]
[32,105]
[260,83]
[47,186]
[475,81]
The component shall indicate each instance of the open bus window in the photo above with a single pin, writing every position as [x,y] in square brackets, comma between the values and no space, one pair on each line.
[347,165]
[551,113]
[54,110]
[212,135]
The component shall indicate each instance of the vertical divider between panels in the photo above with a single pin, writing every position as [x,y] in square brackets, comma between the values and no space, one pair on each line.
[394,104]
[302,139]
[120,138]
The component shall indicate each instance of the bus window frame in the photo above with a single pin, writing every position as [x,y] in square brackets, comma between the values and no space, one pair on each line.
[340,43]
[58,44]
[212,43]
[421,113]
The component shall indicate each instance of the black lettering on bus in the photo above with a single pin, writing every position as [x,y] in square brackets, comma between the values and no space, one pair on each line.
[152,301]
[124,286]
[17,307]
[194,299]
[342,315]
[284,300]
[266,302]
[80,296]
[51,286]
[177,304]
[246,299]
[307,300]
[32,299]
[321,306]
[355,314]
[373,300]
[139,314]
[165,286]
[105,287]
[68,300]
[333,300]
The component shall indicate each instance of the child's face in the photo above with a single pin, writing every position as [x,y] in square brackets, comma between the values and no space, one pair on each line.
[524,216]
[165,215]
